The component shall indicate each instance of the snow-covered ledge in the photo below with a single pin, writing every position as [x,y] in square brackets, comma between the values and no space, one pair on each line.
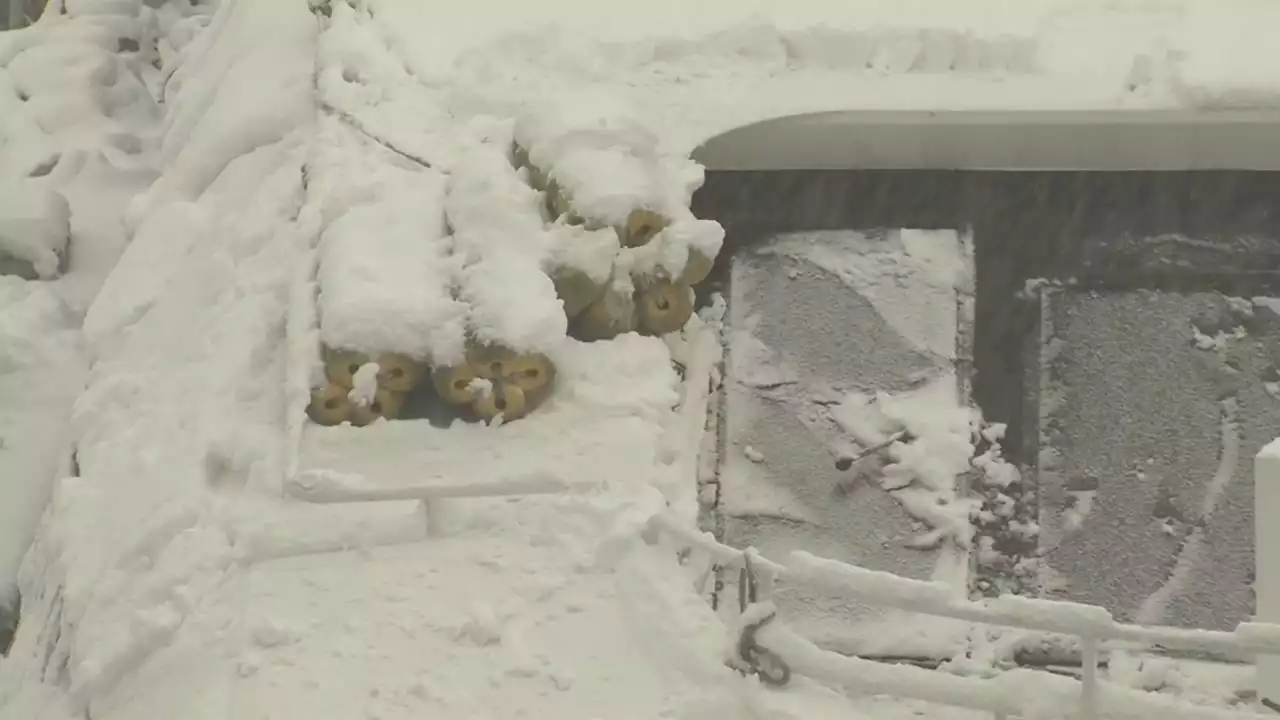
[1114,140]
[1266,498]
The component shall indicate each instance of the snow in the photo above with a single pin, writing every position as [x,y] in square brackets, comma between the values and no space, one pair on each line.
[34,225]
[498,228]
[243,87]
[385,265]
[170,579]
[41,372]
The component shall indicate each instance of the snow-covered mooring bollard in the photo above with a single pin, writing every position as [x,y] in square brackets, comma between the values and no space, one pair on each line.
[1266,506]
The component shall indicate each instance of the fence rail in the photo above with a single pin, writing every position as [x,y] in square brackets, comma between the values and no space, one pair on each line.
[1015,693]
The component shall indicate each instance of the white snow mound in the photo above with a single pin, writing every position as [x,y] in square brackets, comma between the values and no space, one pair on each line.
[34,225]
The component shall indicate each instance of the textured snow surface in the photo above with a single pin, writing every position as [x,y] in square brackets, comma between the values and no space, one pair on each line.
[497,221]
[386,271]
[34,224]
[41,372]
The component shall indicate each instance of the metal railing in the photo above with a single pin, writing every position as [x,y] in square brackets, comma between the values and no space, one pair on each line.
[19,13]
[1015,693]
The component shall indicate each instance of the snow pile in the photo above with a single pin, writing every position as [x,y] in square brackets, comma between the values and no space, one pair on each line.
[498,228]
[242,86]
[71,110]
[184,399]
[41,372]
[75,113]
[202,370]
[35,223]
[63,88]
[369,88]
[603,161]
[386,266]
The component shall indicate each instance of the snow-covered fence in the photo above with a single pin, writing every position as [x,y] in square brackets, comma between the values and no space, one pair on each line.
[1018,693]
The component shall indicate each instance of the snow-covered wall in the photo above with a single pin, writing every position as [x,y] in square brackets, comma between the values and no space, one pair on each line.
[71,109]
[184,399]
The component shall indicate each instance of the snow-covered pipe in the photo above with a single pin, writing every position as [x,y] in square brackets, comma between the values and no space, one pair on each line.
[500,233]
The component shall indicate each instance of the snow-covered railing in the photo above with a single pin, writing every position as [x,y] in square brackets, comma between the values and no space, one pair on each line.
[1013,694]
[328,487]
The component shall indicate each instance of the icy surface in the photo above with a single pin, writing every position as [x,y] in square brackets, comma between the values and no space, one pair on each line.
[71,112]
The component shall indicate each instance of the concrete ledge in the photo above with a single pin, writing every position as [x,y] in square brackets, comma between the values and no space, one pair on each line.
[979,140]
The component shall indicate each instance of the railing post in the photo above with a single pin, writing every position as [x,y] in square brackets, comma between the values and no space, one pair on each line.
[433,517]
[764,577]
[1266,552]
[17,16]
[1089,678]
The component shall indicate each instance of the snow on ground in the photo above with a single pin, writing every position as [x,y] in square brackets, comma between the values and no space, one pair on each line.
[41,372]
[73,112]
[170,579]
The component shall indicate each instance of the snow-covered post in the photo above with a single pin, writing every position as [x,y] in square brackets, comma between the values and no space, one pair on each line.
[1266,507]
[1089,678]
[17,15]
[764,576]
[433,516]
